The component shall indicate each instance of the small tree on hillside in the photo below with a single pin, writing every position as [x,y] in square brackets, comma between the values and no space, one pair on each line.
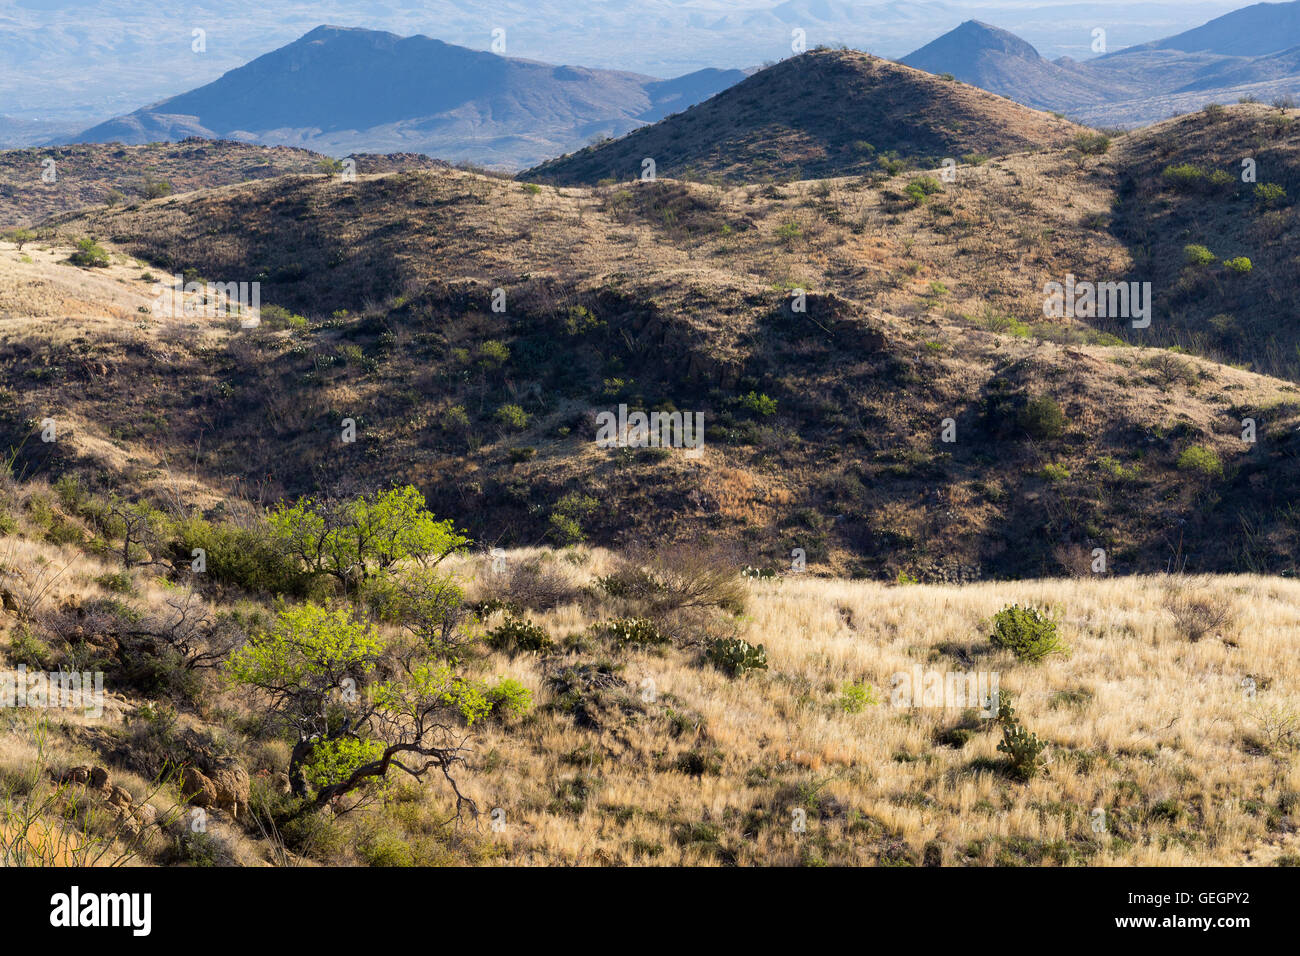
[313,672]
[352,539]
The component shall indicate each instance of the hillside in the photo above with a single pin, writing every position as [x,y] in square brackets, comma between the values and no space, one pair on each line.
[824,113]
[614,655]
[92,175]
[664,295]
[339,90]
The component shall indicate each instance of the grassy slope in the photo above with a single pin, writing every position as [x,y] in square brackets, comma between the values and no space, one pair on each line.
[824,113]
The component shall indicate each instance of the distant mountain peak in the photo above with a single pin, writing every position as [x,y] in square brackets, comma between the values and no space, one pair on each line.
[960,50]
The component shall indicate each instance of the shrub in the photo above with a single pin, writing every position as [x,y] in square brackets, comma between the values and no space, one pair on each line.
[736,656]
[757,404]
[509,698]
[682,576]
[248,557]
[1042,418]
[1196,255]
[1268,195]
[1026,632]
[512,416]
[1055,472]
[1183,176]
[1240,264]
[920,190]
[89,255]
[537,586]
[517,636]
[569,513]
[1198,611]
[1092,144]
[854,698]
[156,189]
[1200,459]
[1024,752]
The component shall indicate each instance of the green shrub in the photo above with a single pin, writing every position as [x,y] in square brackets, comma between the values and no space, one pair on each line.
[1026,632]
[119,582]
[248,557]
[512,416]
[1240,264]
[1268,195]
[1055,472]
[854,698]
[920,190]
[1183,176]
[1197,255]
[736,656]
[509,698]
[515,636]
[1042,418]
[156,189]
[90,255]
[634,630]
[1092,144]
[1200,459]
[757,404]
[568,514]
[1024,752]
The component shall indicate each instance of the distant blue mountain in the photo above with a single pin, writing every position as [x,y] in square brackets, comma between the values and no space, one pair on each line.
[340,90]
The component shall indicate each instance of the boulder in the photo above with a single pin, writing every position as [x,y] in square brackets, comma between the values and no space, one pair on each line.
[232,785]
[198,787]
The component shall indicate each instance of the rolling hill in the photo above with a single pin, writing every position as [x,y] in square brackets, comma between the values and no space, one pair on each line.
[38,182]
[881,387]
[824,113]
[667,294]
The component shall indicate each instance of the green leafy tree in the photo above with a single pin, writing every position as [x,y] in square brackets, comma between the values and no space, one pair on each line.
[312,672]
[354,538]
[20,237]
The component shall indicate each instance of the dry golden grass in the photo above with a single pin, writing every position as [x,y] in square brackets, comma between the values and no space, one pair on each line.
[1157,731]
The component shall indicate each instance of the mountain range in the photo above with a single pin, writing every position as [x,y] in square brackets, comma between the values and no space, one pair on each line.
[1251,52]
[341,90]
[344,90]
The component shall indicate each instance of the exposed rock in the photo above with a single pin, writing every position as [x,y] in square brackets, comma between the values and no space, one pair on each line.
[75,775]
[232,784]
[198,787]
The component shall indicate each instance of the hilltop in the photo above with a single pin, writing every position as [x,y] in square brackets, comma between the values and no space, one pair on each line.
[38,182]
[823,113]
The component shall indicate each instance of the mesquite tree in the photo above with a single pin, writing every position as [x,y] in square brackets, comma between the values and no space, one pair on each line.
[352,539]
[315,671]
